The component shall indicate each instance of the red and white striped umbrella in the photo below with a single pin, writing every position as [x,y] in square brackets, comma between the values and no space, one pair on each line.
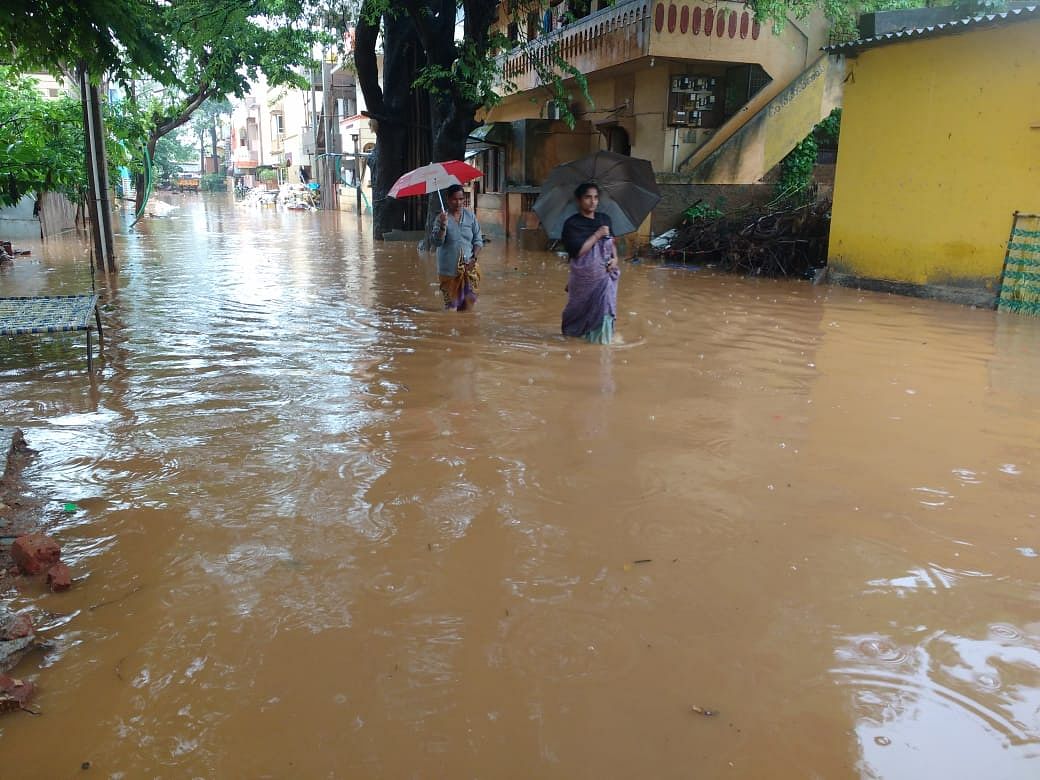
[434,178]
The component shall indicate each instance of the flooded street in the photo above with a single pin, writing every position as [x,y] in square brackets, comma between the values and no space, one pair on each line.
[327,530]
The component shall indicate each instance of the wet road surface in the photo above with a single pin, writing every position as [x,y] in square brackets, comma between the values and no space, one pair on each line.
[327,530]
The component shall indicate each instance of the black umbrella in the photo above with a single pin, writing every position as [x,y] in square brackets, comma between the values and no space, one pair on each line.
[627,191]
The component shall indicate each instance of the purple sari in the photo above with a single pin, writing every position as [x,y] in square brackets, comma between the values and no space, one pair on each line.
[592,295]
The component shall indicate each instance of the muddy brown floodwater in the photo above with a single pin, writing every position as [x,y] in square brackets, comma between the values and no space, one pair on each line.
[327,530]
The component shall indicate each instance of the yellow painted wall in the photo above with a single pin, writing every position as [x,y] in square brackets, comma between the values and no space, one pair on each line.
[936,152]
[647,90]
[649,107]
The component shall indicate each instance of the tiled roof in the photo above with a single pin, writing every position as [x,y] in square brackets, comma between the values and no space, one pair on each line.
[934,31]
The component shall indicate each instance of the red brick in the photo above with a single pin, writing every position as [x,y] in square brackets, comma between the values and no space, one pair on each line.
[59,577]
[19,690]
[34,553]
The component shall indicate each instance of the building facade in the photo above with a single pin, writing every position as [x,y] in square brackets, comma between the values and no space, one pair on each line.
[298,131]
[940,145]
[669,81]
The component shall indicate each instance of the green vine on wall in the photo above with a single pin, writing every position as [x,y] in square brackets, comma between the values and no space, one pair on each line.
[796,169]
[827,131]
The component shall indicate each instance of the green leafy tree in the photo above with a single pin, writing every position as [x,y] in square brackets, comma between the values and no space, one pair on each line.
[204,123]
[219,47]
[41,141]
[114,37]
[42,144]
[425,101]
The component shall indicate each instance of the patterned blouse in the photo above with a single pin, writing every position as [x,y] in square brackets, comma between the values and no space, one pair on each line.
[461,237]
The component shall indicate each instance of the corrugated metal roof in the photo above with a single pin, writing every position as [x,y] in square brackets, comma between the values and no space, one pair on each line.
[949,28]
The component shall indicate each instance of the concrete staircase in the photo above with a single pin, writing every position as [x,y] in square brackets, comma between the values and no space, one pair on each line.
[747,146]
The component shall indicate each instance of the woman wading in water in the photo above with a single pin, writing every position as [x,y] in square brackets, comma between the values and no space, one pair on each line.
[592,287]
[457,237]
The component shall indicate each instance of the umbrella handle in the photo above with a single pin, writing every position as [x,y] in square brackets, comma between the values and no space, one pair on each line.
[441,199]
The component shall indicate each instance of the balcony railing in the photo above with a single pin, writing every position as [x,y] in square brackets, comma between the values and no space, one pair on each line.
[607,37]
[688,29]
[245,157]
[721,19]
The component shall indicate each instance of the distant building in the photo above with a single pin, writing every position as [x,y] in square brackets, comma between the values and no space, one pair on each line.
[295,130]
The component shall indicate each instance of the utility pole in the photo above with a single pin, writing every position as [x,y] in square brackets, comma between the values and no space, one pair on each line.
[314,130]
[98,203]
[328,179]
[357,172]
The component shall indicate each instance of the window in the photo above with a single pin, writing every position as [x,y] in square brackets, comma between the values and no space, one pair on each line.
[278,125]
[492,164]
[743,82]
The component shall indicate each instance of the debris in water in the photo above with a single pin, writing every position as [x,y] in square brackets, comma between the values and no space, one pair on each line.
[70,507]
[702,711]
[780,239]
[129,593]
[644,560]
[15,694]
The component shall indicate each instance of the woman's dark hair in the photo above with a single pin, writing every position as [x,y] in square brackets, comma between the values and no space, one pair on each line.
[584,187]
[452,190]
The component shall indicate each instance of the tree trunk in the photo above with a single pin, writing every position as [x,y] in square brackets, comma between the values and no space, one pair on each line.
[166,125]
[415,128]
[401,142]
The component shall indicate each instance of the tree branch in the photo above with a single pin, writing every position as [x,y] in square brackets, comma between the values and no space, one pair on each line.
[422,26]
[169,124]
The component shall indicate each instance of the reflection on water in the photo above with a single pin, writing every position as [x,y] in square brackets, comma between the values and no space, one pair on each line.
[326,529]
[915,705]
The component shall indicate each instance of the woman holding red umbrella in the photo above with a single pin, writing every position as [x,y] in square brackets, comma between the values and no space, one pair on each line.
[458,239]
[456,233]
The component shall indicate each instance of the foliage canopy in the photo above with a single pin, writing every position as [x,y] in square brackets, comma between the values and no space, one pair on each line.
[113,37]
[42,143]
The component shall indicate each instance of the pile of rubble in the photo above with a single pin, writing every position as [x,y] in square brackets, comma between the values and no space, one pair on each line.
[26,554]
[789,242]
[259,196]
